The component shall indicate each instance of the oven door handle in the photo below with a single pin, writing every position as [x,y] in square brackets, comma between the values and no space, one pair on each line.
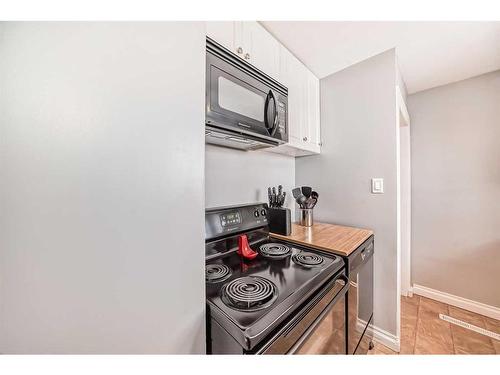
[320,317]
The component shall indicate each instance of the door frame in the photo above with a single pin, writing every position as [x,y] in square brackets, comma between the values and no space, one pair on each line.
[403,214]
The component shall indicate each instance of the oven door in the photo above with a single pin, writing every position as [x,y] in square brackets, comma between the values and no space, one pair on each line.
[319,327]
[241,102]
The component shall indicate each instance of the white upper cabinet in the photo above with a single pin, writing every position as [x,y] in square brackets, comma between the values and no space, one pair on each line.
[252,43]
[303,106]
[292,75]
[313,113]
[259,47]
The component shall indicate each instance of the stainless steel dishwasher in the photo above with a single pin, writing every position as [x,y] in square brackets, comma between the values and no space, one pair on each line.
[360,298]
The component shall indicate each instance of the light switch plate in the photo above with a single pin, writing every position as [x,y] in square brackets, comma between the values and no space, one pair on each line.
[377,186]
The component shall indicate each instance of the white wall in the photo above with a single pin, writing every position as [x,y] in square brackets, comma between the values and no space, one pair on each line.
[101,193]
[400,82]
[237,177]
[358,131]
[455,140]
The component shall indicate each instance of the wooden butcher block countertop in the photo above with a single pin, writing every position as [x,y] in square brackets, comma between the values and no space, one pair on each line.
[337,239]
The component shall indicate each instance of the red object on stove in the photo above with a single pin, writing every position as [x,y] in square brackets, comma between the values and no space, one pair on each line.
[244,249]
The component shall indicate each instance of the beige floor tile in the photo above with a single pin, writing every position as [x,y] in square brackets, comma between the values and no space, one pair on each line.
[408,334]
[380,349]
[469,342]
[409,316]
[414,300]
[409,310]
[430,345]
[466,341]
[434,306]
[494,326]
[433,335]
[430,325]
[467,316]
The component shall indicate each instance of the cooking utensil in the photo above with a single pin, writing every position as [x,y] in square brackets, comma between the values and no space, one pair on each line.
[301,200]
[314,196]
[306,190]
[311,202]
[296,192]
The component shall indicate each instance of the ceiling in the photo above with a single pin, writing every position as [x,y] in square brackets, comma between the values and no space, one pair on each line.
[429,54]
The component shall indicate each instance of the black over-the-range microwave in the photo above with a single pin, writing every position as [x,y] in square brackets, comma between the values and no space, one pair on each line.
[245,108]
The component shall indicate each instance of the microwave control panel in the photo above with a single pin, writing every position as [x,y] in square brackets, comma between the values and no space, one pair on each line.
[281,116]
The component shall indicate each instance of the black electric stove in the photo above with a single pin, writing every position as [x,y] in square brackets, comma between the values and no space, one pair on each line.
[252,302]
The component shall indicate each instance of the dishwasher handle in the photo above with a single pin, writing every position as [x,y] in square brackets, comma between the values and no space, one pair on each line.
[361,257]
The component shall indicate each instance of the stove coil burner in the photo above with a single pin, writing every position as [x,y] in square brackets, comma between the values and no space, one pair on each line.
[274,251]
[308,260]
[249,293]
[215,273]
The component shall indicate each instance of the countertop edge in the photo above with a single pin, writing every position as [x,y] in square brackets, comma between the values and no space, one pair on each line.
[365,234]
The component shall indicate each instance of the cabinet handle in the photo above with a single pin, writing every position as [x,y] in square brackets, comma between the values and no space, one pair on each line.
[239,50]
[320,144]
[304,139]
[247,56]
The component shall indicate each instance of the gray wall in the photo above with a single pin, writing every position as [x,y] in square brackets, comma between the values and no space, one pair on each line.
[101,193]
[455,141]
[236,177]
[358,130]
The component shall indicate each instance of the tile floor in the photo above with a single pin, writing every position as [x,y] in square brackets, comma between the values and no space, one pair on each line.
[423,332]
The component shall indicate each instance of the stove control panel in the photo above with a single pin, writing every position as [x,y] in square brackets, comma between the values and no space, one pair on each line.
[230,218]
[225,220]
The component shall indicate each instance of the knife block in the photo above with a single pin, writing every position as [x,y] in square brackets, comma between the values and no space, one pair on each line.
[280,221]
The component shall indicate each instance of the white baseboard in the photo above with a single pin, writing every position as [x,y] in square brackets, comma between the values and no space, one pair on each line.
[385,338]
[463,303]
[379,335]
[409,292]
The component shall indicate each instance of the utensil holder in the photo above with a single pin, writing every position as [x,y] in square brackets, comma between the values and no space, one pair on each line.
[306,217]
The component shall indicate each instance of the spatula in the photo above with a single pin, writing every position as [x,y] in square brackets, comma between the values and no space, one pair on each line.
[297,192]
[306,190]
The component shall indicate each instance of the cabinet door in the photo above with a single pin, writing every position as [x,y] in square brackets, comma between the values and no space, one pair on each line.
[290,75]
[223,32]
[313,113]
[259,48]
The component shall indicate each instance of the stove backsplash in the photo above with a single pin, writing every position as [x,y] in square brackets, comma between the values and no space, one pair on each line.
[238,177]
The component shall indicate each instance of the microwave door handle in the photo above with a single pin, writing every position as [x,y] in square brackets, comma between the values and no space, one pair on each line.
[266,105]
[275,122]
[272,129]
